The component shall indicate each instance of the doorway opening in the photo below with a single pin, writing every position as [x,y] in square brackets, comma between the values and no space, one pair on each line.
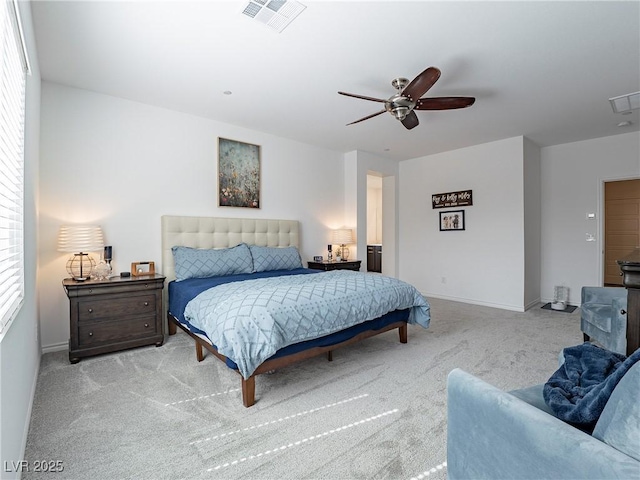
[374,223]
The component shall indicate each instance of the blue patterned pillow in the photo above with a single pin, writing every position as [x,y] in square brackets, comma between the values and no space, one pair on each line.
[201,263]
[275,258]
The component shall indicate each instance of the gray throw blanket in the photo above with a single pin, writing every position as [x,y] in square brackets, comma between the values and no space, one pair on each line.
[578,391]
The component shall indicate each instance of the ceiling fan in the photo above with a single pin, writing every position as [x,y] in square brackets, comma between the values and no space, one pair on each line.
[407,99]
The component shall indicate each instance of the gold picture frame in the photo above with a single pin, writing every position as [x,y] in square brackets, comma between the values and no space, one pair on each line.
[140,269]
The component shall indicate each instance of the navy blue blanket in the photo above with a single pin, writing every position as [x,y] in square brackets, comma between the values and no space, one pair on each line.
[578,391]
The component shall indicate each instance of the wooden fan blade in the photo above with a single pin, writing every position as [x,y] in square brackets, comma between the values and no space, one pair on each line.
[444,103]
[367,117]
[423,82]
[362,97]
[411,120]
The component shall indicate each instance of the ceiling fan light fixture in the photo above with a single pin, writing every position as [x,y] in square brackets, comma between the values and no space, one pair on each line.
[400,112]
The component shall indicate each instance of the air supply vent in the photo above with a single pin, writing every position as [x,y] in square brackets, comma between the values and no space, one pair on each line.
[277,14]
[625,103]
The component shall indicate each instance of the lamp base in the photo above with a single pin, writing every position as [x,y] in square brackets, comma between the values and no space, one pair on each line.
[80,266]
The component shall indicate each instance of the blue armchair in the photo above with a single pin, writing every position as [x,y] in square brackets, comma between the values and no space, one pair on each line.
[493,434]
[603,317]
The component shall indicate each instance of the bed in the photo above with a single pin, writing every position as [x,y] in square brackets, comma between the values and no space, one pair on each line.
[243,311]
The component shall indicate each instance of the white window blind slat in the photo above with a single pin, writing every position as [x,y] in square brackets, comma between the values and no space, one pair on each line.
[14,65]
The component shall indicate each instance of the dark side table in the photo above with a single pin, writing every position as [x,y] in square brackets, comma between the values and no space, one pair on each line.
[115,314]
[341,265]
[630,267]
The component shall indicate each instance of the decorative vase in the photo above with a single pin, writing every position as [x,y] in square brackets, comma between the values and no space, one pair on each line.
[102,271]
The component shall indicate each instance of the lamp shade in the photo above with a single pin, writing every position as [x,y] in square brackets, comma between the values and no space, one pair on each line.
[343,236]
[80,238]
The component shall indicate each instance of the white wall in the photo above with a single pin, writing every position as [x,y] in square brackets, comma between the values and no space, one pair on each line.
[572,179]
[532,223]
[485,263]
[122,165]
[20,347]
[526,231]
[390,253]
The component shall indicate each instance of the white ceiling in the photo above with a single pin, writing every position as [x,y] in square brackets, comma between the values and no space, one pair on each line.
[541,69]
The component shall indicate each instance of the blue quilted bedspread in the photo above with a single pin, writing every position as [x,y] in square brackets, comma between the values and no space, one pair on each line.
[249,321]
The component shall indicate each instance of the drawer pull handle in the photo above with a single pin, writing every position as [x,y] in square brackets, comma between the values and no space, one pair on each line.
[91,310]
[146,304]
[91,334]
[146,285]
[146,325]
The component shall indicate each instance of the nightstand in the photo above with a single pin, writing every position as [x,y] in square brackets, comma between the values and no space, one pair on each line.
[115,314]
[342,265]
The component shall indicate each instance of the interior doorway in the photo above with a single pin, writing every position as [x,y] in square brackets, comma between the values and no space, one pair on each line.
[374,223]
[621,225]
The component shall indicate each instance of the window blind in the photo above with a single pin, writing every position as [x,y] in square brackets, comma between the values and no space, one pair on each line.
[14,67]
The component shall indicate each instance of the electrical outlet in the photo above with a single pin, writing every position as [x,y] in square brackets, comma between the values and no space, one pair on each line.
[591,237]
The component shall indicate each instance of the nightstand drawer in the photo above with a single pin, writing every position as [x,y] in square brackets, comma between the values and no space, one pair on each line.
[92,309]
[96,333]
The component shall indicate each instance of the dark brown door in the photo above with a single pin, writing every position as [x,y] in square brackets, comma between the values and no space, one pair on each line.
[621,225]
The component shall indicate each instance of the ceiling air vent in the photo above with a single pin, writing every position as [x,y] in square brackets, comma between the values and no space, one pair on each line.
[276,14]
[625,103]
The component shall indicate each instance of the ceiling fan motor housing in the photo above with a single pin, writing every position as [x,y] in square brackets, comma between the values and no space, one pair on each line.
[399,106]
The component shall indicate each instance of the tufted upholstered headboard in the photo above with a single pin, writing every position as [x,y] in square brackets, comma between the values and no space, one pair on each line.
[217,232]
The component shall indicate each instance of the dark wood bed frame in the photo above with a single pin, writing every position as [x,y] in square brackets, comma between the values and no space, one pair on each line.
[249,384]
[219,232]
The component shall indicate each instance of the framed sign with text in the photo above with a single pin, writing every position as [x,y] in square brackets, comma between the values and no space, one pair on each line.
[463,198]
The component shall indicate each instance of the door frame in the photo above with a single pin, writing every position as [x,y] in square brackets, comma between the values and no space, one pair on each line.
[600,233]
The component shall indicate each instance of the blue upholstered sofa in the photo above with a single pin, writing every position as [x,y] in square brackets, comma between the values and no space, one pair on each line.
[494,434]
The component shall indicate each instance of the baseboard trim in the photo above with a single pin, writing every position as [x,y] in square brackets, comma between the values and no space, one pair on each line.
[27,424]
[512,308]
[532,304]
[56,347]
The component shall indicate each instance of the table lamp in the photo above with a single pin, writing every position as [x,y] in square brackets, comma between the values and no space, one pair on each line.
[80,239]
[342,237]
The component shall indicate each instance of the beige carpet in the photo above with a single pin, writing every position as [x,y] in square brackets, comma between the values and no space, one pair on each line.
[377,411]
